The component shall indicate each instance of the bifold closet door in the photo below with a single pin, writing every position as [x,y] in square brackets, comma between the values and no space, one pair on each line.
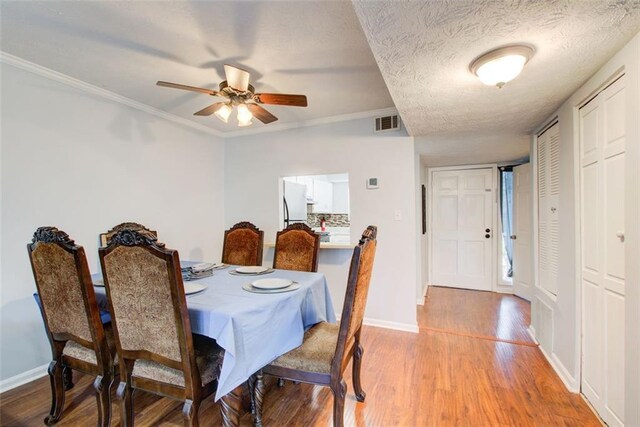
[602,152]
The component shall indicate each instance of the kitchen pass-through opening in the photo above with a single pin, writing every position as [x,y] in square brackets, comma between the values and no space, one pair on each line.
[321,202]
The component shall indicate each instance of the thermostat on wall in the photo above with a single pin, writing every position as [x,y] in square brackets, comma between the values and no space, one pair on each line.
[372,183]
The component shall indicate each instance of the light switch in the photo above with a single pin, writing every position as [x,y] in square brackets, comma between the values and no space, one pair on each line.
[397,215]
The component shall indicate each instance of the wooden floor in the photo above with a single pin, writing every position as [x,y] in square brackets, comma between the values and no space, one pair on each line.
[471,364]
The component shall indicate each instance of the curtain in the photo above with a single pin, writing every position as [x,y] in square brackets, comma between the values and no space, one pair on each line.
[506,202]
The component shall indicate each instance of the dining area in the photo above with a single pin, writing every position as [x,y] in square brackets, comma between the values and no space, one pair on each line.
[198,331]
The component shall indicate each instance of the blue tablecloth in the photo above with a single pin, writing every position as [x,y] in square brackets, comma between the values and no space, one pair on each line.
[253,329]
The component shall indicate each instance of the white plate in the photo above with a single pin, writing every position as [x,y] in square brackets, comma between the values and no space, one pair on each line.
[271,283]
[252,270]
[192,288]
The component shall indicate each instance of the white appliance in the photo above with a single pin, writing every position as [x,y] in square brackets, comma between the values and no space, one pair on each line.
[295,203]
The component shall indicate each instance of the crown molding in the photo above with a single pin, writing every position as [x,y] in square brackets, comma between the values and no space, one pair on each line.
[314,122]
[23,64]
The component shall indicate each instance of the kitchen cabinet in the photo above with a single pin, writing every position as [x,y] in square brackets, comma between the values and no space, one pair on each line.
[323,196]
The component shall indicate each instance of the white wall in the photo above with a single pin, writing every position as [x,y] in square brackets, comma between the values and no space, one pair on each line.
[84,164]
[255,163]
[562,322]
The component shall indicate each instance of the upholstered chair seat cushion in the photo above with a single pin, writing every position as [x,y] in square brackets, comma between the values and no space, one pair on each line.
[80,352]
[209,357]
[316,352]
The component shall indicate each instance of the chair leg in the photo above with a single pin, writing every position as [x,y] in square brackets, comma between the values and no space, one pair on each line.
[125,396]
[57,392]
[230,406]
[357,364]
[67,374]
[103,384]
[339,392]
[251,385]
[258,398]
[190,413]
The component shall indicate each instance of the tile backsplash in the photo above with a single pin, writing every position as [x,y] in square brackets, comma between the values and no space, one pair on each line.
[331,220]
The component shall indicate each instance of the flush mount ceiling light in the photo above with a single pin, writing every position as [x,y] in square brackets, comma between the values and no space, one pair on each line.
[499,66]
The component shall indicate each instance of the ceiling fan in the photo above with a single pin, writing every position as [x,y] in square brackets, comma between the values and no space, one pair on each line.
[242,95]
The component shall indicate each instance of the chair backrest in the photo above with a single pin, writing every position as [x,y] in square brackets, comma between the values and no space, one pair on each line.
[243,245]
[67,298]
[105,237]
[355,300]
[147,303]
[297,248]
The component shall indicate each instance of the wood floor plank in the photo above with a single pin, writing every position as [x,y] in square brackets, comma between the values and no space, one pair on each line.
[442,376]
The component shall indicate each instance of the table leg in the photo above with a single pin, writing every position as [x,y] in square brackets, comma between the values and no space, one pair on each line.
[230,406]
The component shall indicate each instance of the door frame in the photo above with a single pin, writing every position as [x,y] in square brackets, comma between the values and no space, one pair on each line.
[532,266]
[577,188]
[577,164]
[494,215]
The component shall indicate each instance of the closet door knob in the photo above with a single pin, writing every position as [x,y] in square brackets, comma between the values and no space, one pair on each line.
[487,230]
[486,236]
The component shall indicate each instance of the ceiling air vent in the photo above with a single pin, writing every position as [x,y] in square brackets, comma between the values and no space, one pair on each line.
[387,123]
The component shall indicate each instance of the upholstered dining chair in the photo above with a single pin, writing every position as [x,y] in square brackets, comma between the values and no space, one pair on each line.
[243,245]
[105,237]
[156,350]
[297,248]
[67,301]
[327,348]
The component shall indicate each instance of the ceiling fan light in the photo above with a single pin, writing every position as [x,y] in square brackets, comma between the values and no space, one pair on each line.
[244,115]
[501,65]
[224,112]
[243,124]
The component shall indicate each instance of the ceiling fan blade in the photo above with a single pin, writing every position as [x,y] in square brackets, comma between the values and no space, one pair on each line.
[237,78]
[207,111]
[281,99]
[261,114]
[185,87]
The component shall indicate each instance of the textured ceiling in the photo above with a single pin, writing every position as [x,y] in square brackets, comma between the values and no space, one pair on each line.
[313,48]
[319,48]
[424,49]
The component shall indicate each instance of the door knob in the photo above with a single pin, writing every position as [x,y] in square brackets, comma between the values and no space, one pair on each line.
[487,230]
[512,237]
[620,235]
[486,236]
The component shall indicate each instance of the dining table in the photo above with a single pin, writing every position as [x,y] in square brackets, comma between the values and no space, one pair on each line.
[252,328]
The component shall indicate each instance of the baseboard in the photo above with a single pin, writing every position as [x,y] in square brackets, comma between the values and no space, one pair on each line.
[562,372]
[405,327]
[23,378]
[386,324]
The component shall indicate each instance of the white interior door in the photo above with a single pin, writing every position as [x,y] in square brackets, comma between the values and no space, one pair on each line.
[602,151]
[462,232]
[522,226]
